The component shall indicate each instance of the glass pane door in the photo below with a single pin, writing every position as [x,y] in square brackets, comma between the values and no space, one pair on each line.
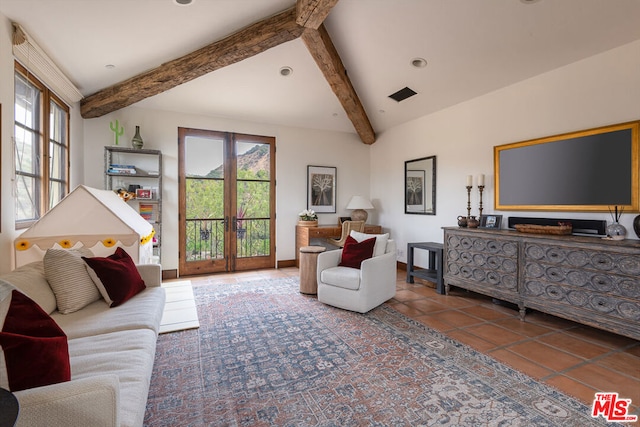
[226,202]
[203,244]
[253,197]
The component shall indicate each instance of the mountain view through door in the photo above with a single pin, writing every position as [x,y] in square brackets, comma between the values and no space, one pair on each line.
[226,202]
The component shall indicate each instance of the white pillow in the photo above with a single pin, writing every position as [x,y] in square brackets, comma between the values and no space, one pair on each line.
[69,279]
[30,280]
[381,241]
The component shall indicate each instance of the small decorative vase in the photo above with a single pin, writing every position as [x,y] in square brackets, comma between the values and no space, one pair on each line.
[462,221]
[616,231]
[313,223]
[137,141]
[636,225]
[472,222]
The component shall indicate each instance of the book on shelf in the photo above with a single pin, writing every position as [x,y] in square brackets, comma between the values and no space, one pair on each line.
[122,169]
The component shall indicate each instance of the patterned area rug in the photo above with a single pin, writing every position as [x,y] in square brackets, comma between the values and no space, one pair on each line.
[266,355]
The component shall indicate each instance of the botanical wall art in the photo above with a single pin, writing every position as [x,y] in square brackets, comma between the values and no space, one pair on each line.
[415,190]
[420,186]
[321,189]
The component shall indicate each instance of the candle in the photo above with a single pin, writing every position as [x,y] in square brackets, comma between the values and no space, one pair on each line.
[469,181]
[481,179]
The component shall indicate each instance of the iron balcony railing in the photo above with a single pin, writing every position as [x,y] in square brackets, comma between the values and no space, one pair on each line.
[205,238]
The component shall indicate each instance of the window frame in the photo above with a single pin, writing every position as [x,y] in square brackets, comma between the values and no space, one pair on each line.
[44,135]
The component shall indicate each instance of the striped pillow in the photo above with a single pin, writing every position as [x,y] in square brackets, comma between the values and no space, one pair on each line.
[69,279]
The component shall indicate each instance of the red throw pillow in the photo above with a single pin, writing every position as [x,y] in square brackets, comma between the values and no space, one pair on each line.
[354,253]
[118,275]
[34,348]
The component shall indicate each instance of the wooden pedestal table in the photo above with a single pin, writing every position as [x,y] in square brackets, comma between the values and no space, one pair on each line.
[309,269]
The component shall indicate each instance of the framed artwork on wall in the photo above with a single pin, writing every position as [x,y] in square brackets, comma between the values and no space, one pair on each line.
[415,191]
[321,188]
[420,186]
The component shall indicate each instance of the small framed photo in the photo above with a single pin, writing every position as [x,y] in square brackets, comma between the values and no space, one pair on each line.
[343,219]
[490,221]
[321,189]
[144,193]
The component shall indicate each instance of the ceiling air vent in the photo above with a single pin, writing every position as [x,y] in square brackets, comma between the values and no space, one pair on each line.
[403,94]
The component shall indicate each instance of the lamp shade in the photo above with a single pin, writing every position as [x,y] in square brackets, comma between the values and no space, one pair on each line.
[359,202]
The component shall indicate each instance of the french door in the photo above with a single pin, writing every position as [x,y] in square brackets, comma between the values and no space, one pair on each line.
[227,201]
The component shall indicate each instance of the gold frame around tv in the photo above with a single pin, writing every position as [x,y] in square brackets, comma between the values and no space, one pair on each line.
[572,138]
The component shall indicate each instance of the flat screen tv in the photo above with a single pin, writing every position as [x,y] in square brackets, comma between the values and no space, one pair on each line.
[590,170]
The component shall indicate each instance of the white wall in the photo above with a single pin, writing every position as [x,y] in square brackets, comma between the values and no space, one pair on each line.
[295,149]
[598,91]
[601,90]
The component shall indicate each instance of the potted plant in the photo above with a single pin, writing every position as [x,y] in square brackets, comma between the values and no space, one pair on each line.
[307,218]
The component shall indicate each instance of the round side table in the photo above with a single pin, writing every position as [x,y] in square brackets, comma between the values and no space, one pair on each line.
[9,408]
[309,268]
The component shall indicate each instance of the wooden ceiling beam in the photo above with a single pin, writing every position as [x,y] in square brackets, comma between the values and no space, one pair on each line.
[243,44]
[312,13]
[326,56]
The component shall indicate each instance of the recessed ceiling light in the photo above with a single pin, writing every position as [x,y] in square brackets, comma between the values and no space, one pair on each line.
[286,71]
[419,62]
[109,66]
[183,2]
[529,1]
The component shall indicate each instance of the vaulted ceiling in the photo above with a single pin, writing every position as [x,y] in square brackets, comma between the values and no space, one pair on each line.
[472,47]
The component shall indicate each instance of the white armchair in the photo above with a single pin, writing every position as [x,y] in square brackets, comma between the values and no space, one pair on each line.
[357,290]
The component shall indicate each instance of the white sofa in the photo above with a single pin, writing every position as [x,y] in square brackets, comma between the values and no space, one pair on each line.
[111,352]
[355,289]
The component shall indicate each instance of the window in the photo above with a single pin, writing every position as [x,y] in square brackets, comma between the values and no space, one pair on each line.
[41,148]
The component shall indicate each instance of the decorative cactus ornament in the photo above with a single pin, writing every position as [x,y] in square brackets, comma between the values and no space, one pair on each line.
[117,132]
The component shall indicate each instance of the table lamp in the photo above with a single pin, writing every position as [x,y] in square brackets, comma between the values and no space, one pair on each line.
[359,204]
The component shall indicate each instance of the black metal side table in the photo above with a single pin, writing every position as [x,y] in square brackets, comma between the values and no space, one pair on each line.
[434,272]
[9,408]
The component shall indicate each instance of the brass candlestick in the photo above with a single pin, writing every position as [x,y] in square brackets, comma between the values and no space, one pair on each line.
[480,188]
[468,201]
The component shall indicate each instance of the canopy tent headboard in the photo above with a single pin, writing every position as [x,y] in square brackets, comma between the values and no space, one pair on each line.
[91,218]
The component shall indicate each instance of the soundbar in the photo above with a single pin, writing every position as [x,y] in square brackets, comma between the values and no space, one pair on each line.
[580,226]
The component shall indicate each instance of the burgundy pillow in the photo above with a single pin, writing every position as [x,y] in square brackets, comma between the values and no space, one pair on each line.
[35,349]
[118,275]
[354,253]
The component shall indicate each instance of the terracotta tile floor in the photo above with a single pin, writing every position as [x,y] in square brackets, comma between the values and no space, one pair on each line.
[576,359]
